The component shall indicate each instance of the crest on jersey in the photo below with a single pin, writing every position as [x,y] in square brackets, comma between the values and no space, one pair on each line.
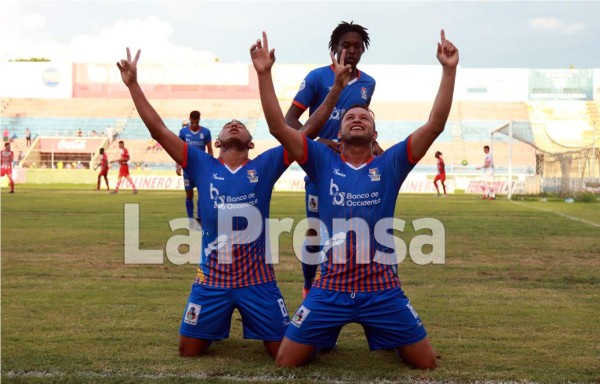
[374,174]
[313,203]
[191,314]
[302,85]
[252,176]
[301,315]
[363,93]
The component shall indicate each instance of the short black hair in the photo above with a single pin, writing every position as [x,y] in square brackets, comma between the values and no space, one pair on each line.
[363,106]
[121,142]
[345,27]
[195,115]
[101,150]
[486,147]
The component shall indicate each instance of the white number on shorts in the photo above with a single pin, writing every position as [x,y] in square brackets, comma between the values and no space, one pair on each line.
[284,311]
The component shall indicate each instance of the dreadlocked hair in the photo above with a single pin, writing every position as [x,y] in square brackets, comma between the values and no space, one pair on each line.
[345,27]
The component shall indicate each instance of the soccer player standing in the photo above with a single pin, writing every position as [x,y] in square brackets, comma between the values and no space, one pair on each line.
[124,168]
[489,192]
[103,170]
[233,271]
[199,137]
[441,173]
[314,88]
[7,157]
[358,280]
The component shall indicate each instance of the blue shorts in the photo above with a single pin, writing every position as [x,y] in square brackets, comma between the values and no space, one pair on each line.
[188,182]
[388,319]
[207,314]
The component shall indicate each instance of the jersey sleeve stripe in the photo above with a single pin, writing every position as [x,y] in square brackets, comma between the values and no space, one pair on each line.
[305,151]
[300,105]
[409,151]
[185,156]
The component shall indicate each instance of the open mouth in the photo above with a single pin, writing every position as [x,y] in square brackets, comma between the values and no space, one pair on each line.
[356,128]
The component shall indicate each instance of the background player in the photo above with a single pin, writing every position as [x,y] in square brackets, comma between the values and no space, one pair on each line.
[7,158]
[313,90]
[198,137]
[104,166]
[124,168]
[489,192]
[441,174]
[358,281]
[232,274]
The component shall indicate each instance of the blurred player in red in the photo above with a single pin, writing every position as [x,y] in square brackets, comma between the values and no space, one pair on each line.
[6,165]
[103,169]
[124,170]
[441,175]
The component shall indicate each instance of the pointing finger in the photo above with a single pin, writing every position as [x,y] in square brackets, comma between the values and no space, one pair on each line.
[265,40]
[443,36]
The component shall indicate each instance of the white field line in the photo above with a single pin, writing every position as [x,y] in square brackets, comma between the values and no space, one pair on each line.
[559,214]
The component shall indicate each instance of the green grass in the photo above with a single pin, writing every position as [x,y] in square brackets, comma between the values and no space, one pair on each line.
[517,300]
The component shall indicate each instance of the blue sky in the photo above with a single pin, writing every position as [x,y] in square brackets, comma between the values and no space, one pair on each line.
[502,34]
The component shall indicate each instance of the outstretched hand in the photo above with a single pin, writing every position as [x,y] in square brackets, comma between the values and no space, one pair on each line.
[128,68]
[262,58]
[447,53]
[342,71]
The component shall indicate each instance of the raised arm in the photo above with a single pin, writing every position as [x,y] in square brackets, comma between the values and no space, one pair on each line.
[289,137]
[422,138]
[159,131]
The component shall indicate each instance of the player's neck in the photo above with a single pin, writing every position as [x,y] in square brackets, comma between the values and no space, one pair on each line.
[357,154]
[233,157]
[354,74]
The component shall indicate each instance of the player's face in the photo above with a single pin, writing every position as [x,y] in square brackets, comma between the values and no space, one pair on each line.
[357,126]
[194,125]
[121,145]
[7,146]
[352,42]
[235,131]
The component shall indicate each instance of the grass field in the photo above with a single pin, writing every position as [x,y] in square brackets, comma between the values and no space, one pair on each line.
[518,298]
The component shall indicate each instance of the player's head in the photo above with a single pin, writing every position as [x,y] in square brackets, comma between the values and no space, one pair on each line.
[352,37]
[234,134]
[486,148]
[7,146]
[194,120]
[101,151]
[121,144]
[357,125]
[438,154]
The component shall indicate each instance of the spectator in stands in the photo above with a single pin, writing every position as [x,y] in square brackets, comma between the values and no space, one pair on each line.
[195,136]
[94,133]
[27,137]
[6,135]
[489,191]
[79,133]
[441,174]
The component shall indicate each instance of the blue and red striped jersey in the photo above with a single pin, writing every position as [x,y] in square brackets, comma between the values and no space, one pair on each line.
[315,87]
[356,208]
[234,204]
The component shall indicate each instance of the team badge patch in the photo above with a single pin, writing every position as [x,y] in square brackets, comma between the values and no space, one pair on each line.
[313,203]
[191,314]
[301,315]
[374,174]
[186,182]
[363,93]
[252,176]
[302,85]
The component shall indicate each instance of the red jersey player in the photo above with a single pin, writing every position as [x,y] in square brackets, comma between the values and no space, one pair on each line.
[124,170]
[441,175]
[103,169]
[6,165]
